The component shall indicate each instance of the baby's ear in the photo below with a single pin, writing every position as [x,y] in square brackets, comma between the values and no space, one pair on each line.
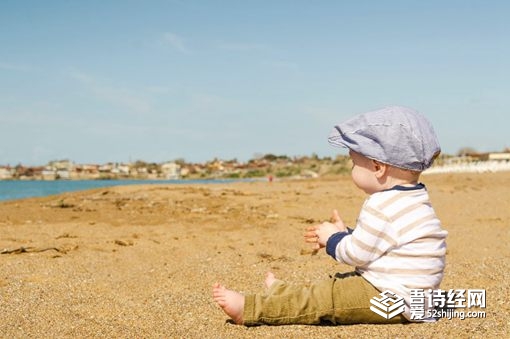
[379,168]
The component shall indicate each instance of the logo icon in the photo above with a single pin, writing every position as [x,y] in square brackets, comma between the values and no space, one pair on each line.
[388,305]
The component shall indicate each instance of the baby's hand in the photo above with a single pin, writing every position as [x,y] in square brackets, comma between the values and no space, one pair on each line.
[324,231]
[319,234]
[311,237]
[335,219]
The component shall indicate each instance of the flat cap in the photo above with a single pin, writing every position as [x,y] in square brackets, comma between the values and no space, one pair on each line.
[395,135]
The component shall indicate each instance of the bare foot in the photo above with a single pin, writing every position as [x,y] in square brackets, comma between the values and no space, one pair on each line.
[270,279]
[230,301]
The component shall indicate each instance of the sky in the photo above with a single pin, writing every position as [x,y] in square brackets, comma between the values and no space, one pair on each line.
[120,81]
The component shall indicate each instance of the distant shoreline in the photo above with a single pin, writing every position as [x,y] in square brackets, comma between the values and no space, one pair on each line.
[22,189]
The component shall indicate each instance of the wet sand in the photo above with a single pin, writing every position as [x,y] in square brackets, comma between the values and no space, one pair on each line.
[139,261]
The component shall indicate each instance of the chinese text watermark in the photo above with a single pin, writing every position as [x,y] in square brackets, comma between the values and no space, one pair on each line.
[426,304]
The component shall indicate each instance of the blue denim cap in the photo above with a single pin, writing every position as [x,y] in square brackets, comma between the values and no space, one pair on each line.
[395,135]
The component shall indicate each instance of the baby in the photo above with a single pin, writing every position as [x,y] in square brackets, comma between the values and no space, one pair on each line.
[397,245]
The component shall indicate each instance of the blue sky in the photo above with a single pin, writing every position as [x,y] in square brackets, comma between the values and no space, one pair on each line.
[99,81]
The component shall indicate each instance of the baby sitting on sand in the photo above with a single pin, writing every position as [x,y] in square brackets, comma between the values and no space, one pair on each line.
[397,245]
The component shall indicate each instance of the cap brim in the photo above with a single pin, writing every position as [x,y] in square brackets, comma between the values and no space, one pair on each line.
[337,139]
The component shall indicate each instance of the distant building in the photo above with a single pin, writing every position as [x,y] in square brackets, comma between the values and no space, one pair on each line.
[123,169]
[57,169]
[474,163]
[171,170]
[63,174]
[106,168]
[502,156]
[6,173]
[48,173]
[85,171]
[61,165]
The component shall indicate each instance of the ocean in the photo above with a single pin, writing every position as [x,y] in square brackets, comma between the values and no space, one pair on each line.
[19,189]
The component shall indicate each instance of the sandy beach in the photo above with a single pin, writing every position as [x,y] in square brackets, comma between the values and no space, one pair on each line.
[139,261]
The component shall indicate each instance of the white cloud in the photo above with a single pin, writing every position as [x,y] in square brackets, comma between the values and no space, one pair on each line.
[176,42]
[205,101]
[117,96]
[122,97]
[282,65]
[159,89]
[13,67]
[81,77]
[242,47]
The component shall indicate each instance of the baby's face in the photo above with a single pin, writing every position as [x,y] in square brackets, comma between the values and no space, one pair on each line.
[363,173]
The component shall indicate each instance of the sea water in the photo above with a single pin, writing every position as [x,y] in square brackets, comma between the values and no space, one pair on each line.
[19,189]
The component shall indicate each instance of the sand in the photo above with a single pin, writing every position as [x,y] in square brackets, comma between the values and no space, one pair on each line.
[139,261]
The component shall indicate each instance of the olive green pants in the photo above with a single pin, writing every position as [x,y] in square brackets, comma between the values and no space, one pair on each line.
[343,299]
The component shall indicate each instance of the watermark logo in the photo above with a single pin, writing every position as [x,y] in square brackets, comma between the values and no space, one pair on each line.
[427,304]
[388,305]
[458,303]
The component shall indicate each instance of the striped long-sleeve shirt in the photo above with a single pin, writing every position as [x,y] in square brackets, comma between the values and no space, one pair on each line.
[398,243]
